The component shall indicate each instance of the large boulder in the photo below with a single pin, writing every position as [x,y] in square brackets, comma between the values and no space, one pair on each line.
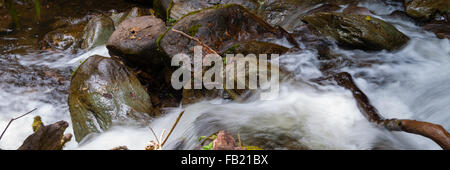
[220,27]
[175,9]
[97,31]
[357,31]
[135,41]
[225,29]
[103,90]
[426,9]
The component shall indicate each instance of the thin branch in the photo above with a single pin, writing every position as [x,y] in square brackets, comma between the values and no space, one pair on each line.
[432,131]
[195,39]
[15,119]
[156,137]
[232,94]
[173,127]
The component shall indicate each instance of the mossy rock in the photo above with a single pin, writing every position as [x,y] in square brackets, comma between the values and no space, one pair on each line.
[425,9]
[103,90]
[255,47]
[220,27]
[286,13]
[357,31]
[175,9]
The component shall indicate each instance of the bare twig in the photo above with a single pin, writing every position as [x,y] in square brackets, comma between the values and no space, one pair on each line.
[433,131]
[173,127]
[195,39]
[156,137]
[15,119]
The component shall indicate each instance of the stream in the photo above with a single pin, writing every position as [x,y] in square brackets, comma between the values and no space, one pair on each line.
[411,83]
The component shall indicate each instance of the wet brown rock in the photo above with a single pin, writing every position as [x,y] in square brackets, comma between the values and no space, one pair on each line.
[130,14]
[48,137]
[64,38]
[255,47]
[135,41]
[286,13]
[103,90]
[441,29]
[97,31]
[357,31]
[175,9]
[426,9]
[220,27]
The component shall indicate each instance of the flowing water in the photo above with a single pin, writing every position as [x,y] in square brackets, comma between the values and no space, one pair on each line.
[412,83]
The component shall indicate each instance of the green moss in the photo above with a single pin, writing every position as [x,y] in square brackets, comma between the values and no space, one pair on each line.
[193,29]
[232,49]
[76,69]
[168,9]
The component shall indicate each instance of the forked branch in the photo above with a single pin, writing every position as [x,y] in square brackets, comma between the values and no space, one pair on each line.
[433,131]
[6,128]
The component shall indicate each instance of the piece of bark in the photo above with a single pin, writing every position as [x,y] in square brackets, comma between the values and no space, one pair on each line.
[432,131]
[225,141]
[48,137]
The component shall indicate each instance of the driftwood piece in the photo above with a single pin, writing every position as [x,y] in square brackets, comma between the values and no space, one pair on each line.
[225,141]
[432,131]
[48,137]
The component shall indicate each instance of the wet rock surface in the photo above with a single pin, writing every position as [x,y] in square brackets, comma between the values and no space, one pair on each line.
[103,90]
[97,31]
[132,13]
[357,31]
[50,137]
[135,41]
[440,28]
[255,47]
[220,27]
[426,9]
[64,38]
[286,13]
[176,9]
